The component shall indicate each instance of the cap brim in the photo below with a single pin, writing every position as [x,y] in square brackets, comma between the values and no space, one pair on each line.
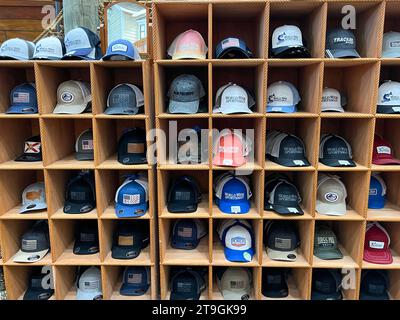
[188,296]
[76,208]
[391,54]
[108,57]
[342,53]
[124,252]
[183,245]
[132,159]
[322,296]
[180,207]
[336,163]
[133,291]
[34,294]
[232,110]
[331,254]
[283,109]
[81,295]
[385,161]
[287,210]
[37,207]
[29,257]
[331,209]
[80,54]
[20,110]
[366,296]
[388,109]
[183,56]
[232,295]
[190,107]
[130,212]
[29,158]
[121,111]
[291,162]
[84,156]
[381,257]
[275,292]
[238,255]
[226,206]
[84,248]
[291,52]
[282,255]
[76,109]
[241,54]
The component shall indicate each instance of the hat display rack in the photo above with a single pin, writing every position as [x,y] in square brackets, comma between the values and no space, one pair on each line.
[358,79]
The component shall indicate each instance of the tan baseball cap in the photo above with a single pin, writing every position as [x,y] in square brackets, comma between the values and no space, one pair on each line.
[73,97]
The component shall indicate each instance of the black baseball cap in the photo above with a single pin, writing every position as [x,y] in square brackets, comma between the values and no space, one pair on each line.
[335,151]
[281,239]
[271,180]
[132,147]
[129,239]
[284,198]
[326,285]
[80,194]
[36,291]
[374,285]
[184,195]
[187,284]
[288,150]
[86,238]
[274,283]
[341,43]
[32,150]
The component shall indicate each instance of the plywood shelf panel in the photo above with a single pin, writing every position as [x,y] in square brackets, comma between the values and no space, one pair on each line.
[68,258]
[14,214]
[59,214]
[351,215]
[390,212]
[195,257]
[70,163]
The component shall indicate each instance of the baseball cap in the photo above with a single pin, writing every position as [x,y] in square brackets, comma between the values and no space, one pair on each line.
[374,285]
[335,151]
[271,180]
[383,152]
[326,285]
[187,284]
[49,48]
[33,198]
[185,93]
[16,49]
[131,198]
[287,42]
[82,44]
[80,195]
[331,195]
[391,45]
[32,150]
[284,198]
[89,285]
[237,237]
[341,43]
[283,97]
[234,283]
[36,290]
[86,238]
[377,244]
[129,239]
[35,243]
[232,193]
[183,195]
[124,99]
[230,148]
[326,243]
[274,283]
[377,192]
[192,150]
[188,45]
[287,150]
[232,98]
[73,97]
[281,240]
[232,48]
[132,147]
[23,99]
[389,97]
[121,49]
[187,233]
[84,146]
[332,100]
[135,281]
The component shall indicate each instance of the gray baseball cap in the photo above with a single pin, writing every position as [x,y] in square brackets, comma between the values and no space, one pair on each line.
[84,146]
[124,99]
[185,94]
[341,43]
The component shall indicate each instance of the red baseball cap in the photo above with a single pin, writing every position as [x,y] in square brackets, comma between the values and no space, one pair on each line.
[376,246]
[383,153]
[230,149]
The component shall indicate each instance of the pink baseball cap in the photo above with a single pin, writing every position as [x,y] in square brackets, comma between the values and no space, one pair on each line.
[231,150]
[188,45]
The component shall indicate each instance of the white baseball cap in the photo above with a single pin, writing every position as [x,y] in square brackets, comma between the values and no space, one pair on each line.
[332,100]
[17,49]
[89,285]
[50,48]
[286,38]
[232,98]
[389,97]
[391,45]
[331,195]
[33,198]
[235,283]
[282,96]
[73,97]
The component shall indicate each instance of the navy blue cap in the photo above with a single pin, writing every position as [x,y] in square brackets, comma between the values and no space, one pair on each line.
[274,283]
[377,192]
[32,150]
[86,238]
[232,48]
[23,99]
[37,290]
[187,233]
[183,195]
[80,196]
[132,147]
[121,50]
[335,151]
[136,281]
[187,284]
[326,285]
[374,285]
[82,44]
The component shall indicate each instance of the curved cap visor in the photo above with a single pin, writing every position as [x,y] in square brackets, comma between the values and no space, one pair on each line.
[125,252]
[338,162]
[328,254]
[236,295]
[125,211]
[182,207]
[70,109]
[379,257]
[282,255]
[30,256]
[77,208]
[189,107]
[239,255]
[33,207]
[38,294]
[343,53]
[132,290]
[226,206]
[22,110]
[334,209]
[83,295]
[287,211]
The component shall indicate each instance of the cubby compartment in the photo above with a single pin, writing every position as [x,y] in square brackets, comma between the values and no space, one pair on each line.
[391,22]
[389,130]
[349,235]
[368,17]
[358,132]
[12,186]
[14,133]
[306,76]
[60,142]
[307,129]
[356,82]
[63,236]
[166,73]
[199,256]
[394,289]
[248,75]
[171,19]
[247,22]
[50,75]
[12,75]
[308,16]
[297,281]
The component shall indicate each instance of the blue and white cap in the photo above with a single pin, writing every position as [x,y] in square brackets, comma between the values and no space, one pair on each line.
[131,198]
[124,99]
[232,193]
[50,48]
[23,99]
[121,50]
[391,45]
[17,49]
[389,97]
[377,192]
[136,281]
[83,44]
[238,240]
[283,97]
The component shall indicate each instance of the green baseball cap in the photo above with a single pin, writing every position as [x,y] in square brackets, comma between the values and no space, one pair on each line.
[326,244]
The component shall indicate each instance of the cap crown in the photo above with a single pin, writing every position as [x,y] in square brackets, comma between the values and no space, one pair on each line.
[51,48]
[24,95]
[340,39]
[331,189]
[389,94]
[186,88]
[282,94]
[17,49]
[285,194]
[332,100]
[281,236]
[33,194]
[188,45]
[325,238]
[376,237]
[335,147]
[36,239]
[72,93]
[126,97]
[287,36]
[90,280]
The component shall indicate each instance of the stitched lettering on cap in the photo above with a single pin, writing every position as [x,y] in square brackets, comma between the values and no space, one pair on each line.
[192,46]
[293,150]
[376,288]
[322,286]
[387,97]
[135,278]
[236,284]
[235,99]
[326,241]
[281,243]
[29,245]
[230,149]
[238,242]
[287,197]
[131,198]
[346,40]
[376,244]
[126,240]
[275,98]
[285,37]
[21,97]
[42,49]
[87,144]
[183,93]
[336,150]
[185,232]
[119,47]
[330,98]
[234,196]
[384,150]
